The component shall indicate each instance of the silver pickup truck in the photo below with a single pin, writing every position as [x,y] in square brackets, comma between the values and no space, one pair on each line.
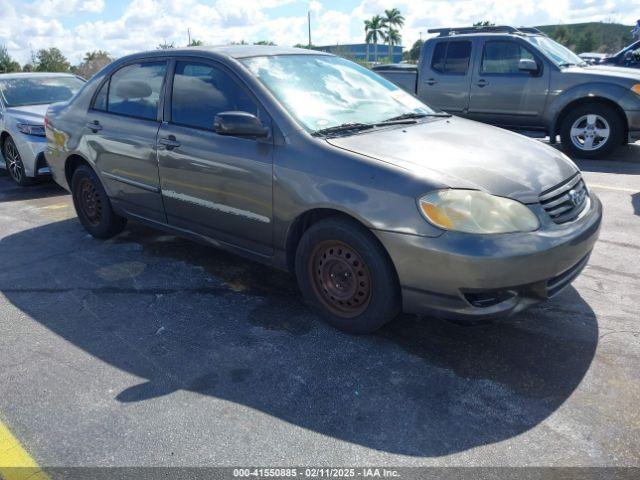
[522,80]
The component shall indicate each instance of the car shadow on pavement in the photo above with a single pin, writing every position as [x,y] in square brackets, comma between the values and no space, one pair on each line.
[11,192]
[188,317]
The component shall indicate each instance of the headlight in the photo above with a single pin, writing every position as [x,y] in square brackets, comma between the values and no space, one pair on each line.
[472,211]
[28,129]
[636,88]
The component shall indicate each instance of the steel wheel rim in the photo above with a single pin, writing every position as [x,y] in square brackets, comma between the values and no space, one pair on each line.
[590,132]
[340,278]
[89,202]
[14,162]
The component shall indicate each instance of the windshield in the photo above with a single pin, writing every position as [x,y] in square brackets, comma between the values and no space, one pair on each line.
[19,92]
[322,91]
[558,54]
[628,48]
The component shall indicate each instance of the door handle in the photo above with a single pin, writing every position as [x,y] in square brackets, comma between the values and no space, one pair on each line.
[168,143]
[431,81]
[94,126]
[482,83]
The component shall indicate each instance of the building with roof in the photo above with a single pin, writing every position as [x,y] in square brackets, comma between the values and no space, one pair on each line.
[365,53]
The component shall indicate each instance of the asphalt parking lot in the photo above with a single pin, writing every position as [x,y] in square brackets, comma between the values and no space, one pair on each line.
[152,350]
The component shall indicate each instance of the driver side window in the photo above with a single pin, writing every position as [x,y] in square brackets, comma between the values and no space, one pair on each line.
[504,57]
[201,91]
[134,90]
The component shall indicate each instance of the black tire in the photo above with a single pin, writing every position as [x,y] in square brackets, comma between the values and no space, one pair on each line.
[357,271]
[93,206]
[13,162]
[606,112]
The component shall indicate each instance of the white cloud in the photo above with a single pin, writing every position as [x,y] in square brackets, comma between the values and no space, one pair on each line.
[146,23]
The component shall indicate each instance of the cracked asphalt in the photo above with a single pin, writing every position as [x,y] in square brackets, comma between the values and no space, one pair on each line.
[151,350]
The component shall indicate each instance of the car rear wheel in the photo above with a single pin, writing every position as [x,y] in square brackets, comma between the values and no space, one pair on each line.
[345,274]
[93,206]
[592,131]
[14,164]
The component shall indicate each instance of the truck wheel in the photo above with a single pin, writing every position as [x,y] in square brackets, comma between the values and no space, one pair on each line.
[93,206]
[592,131]
[14,164]
[345,274]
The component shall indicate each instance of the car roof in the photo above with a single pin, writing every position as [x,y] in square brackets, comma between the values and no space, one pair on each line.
[232,51]
[10,76]
[487,34]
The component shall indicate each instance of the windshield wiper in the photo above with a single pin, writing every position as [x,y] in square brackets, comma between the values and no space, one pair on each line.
[345,127]
[414,115]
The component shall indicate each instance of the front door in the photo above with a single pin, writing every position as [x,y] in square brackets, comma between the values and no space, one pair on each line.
[444,83]
[503,95]
[122,126]
[218,186]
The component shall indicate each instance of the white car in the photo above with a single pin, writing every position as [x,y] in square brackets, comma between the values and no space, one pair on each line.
[24,99]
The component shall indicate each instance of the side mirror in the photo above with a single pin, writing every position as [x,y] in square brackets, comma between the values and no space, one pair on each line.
[239,124]
[528,65]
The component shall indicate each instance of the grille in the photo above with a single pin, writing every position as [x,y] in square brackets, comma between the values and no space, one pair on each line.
[566,201]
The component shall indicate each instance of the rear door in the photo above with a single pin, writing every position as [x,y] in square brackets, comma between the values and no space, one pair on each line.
[503,95]
[121,130]
[216,185]
[445,78]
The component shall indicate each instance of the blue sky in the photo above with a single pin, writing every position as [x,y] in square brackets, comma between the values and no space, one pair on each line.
[125,26]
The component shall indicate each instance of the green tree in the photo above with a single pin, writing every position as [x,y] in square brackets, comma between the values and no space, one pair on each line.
[92,63]
[28,67]
[374,32]
[7,64]
[414,53]
[393,21]
[586,42]
[165,46]
[264,42]
[195,43]
[393,38]
[51,60]
[561,35]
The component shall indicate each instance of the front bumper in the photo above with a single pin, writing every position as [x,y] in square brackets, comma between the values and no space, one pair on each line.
[31,149]
[460,276]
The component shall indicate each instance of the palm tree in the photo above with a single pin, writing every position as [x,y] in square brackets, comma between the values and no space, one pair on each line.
[392,18]
[393,37]
[374,30]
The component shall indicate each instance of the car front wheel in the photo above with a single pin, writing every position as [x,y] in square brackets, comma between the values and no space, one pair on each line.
[14,164]
[592,131]
[345,274]
[93,206]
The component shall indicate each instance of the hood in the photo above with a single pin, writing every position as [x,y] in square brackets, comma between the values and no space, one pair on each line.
[605,72]
[459,153]
[30,113]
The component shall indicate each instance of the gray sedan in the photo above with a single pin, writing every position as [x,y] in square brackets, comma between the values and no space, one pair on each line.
[311,163]
[24,99]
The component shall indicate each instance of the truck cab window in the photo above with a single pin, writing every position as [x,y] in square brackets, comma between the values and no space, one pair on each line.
[504,57]
[451,57]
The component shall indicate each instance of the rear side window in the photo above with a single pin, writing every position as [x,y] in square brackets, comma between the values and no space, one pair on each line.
[451,57]
[100,102]
[504,57]
[134,90]
[201,91]
[439,56]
